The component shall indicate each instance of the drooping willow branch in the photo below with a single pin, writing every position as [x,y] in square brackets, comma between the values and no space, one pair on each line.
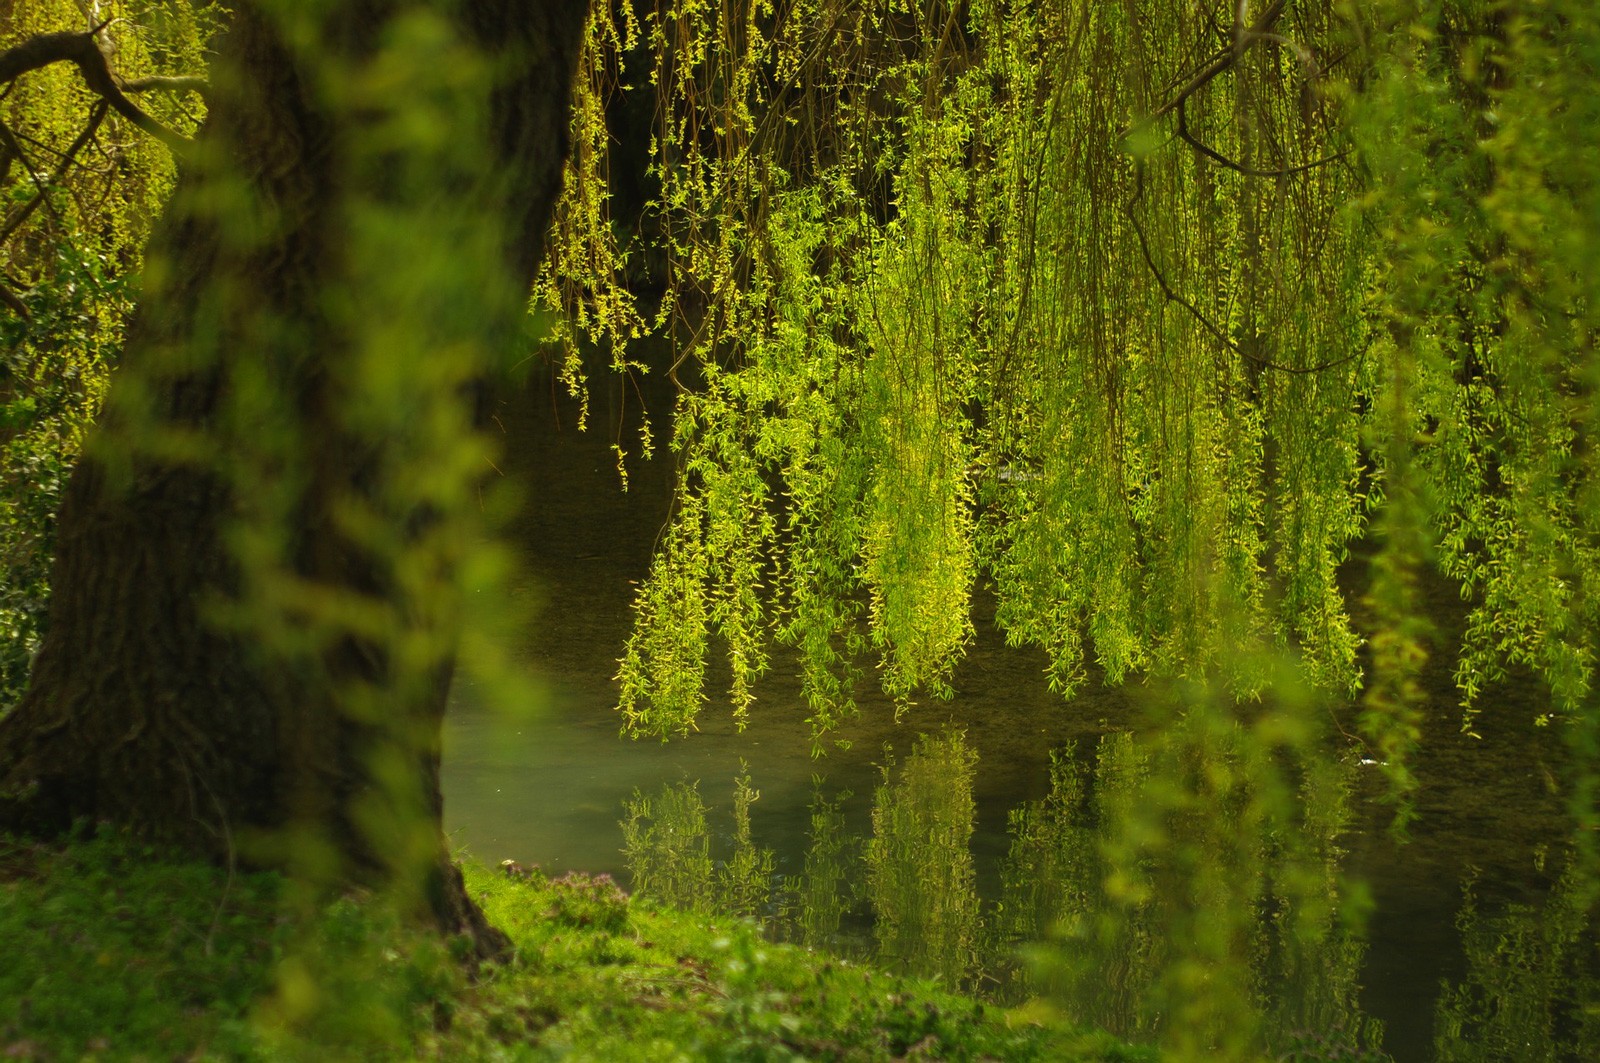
[1219,62]
[1244,38]
[1174,296]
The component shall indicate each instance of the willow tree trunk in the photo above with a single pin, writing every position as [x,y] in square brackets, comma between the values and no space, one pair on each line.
[151,703]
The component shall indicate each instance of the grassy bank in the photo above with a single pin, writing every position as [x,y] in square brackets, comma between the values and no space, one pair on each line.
[111,951]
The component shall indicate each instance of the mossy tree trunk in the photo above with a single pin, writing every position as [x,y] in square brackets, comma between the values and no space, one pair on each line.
[152,704]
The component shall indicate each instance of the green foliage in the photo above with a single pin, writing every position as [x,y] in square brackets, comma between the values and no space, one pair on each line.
[54,366]
[920,875]
[354,982]
[1483,205]
[586,270]
[1532,985]
[949,324]
[676,986]
[1141,327]
[111,946]
[80,189]
[118,951]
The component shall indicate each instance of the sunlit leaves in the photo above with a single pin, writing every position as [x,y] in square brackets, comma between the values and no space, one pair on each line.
[1483,198]
[1021,294]
[74,223]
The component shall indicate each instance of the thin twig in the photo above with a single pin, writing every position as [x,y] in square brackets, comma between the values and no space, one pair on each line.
[1221,61]
[1301,52]
[1248,171]
[96,116]
[10,140]
[1173,296]
[1161,279]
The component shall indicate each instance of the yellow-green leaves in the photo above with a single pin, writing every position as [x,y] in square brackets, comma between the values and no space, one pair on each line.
[80,189]
[1142,329]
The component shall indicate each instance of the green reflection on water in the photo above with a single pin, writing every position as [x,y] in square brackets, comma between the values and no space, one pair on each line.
[1181,886]
[822,894]
[920,875]
[668,845]
[666,839]
[1051,871]
[745,878]
[1188,890]
[1532,988]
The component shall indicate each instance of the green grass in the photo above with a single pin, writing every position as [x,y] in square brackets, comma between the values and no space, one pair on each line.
[111,951]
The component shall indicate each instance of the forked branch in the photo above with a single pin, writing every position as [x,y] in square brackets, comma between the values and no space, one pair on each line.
[1172,295]
[81,50]
[1221,61]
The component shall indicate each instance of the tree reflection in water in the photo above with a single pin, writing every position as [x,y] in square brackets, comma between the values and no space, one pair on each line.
[1185,887]
[921,882]
[1180,886]
[822,894]
[667,841]
[1532,987]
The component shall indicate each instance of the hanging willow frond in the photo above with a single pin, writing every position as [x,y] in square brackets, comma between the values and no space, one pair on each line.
[1101,303]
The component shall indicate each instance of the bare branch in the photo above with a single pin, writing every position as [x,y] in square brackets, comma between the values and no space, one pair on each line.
[40,51]
[173,83]
[14,304]
[1219,62]
[96,116]
[1248,171]
[9,139]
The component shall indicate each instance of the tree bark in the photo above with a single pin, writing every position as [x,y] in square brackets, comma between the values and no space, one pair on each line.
[151,705]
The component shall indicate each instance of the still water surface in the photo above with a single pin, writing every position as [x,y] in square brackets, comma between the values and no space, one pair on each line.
[1469,953]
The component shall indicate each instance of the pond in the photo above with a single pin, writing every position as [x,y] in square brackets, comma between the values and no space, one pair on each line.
[942,854]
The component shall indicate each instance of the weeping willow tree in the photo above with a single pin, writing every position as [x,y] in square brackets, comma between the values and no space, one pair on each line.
[1192,332]
[1145,314]
[1141,313]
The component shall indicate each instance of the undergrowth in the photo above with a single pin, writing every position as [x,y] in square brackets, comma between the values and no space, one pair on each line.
[117,951]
